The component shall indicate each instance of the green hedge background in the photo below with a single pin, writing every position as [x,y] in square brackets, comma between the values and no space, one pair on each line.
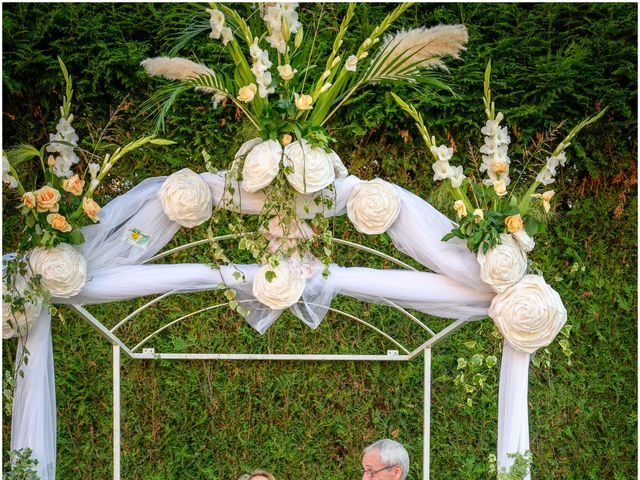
[214,420]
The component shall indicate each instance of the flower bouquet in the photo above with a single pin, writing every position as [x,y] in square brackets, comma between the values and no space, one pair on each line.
[289,93]
[55,206]
[490,207]
[498,219]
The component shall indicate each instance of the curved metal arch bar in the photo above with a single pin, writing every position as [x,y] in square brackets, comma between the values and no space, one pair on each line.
[146,305]
[237,235]
[376,329]
[213,307]
[193,244]
[373,251]
[408,314]
[173,322]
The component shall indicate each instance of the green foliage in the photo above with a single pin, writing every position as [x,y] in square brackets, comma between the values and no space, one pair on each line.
[20,466]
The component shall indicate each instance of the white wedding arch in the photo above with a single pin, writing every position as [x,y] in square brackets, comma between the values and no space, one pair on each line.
[119,270]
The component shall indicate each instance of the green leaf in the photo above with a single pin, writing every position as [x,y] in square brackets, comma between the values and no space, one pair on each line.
[76,236]
[462,363]
[531,226]
[162,141]
[269,275]
[491,361]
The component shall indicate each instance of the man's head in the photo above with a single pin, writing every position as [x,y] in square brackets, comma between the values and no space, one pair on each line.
[257,475]
[385,460]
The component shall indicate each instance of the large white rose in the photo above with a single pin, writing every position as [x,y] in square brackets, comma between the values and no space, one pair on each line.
[282,291]
[19,322]
[313,168]
[529,315]
[63,269]
[261,166]
[503,265]
[373,206]
[186,198]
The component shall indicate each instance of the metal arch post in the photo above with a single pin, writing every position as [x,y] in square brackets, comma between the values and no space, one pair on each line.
[116,412]
[427,414]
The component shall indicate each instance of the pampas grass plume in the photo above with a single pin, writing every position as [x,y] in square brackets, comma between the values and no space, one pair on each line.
[426,45]
[175,68]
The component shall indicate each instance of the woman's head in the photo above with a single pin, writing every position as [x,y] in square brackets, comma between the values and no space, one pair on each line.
[257,475]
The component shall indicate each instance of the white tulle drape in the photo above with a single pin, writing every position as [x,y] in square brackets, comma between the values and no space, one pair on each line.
[33,419]
[513,409]
[454,290]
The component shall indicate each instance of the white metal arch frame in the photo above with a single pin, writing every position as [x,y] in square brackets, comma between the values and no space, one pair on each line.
[393,355]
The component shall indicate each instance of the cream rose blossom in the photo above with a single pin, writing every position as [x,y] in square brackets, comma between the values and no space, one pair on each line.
[261,166]
[373,206]
[286,72]
[63,269]
[303,102]
[186,198]
[312,168]
[529,315]
[503,265]
[246,93]
[284,290]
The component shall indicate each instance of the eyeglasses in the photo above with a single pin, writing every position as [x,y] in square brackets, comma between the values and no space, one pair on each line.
[372,473]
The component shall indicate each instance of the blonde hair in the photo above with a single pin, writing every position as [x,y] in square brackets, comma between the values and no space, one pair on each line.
[256,473]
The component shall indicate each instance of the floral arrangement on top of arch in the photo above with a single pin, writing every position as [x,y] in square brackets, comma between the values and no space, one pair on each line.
[288,95]
[291,177]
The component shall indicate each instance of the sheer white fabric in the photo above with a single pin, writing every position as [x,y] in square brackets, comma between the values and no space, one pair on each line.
[251,203]
[454,291]
[139,208]
[418,232]
[513,410]
[33,419]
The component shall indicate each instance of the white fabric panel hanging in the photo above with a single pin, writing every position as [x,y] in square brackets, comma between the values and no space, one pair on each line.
[33,419]
[513,408]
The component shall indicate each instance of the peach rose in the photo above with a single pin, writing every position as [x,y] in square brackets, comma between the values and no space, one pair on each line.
[303,102]
[59,222]
[29,199]
[246,93]
[47,199]
[73,185]
[514,223]
[286,139]
[91,208]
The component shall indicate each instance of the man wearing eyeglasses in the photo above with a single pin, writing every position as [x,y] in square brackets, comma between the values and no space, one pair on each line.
[385,460]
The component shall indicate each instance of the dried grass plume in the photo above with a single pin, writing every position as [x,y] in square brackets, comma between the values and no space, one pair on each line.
[175,68]
[422,47]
